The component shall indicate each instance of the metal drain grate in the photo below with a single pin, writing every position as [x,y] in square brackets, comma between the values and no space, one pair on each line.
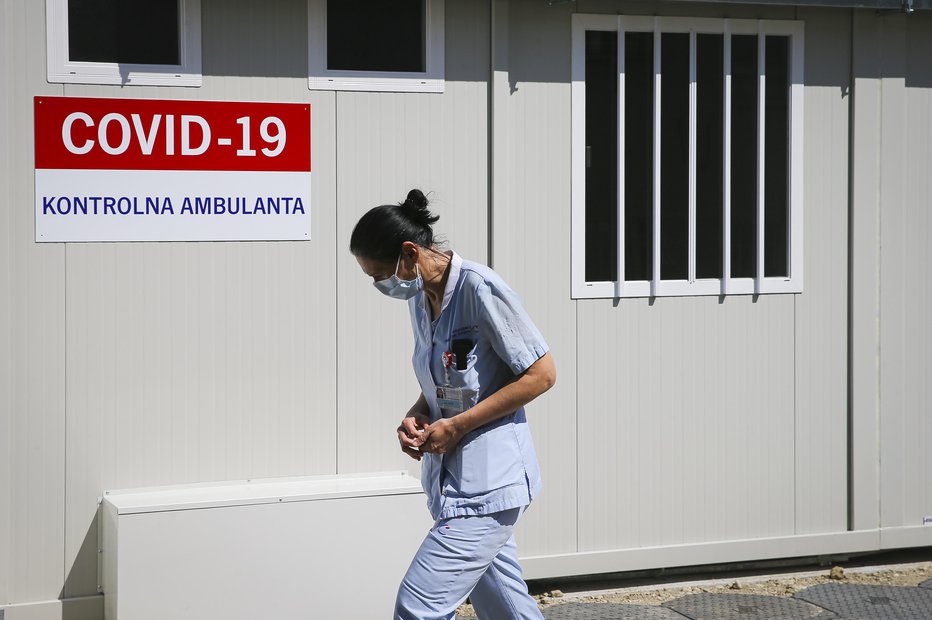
[609,611]
[725,606]
[867,602]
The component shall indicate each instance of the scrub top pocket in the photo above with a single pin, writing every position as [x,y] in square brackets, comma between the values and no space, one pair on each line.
[471,469]
[465,379]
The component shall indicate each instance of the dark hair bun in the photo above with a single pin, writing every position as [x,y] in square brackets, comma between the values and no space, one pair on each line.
[415,207]
[417,198]
[379,233]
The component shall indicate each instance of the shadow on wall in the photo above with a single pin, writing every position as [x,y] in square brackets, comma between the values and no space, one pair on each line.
[893,45]
[269,39]
[82,576]
[540,45]
[919,50]
[258,39]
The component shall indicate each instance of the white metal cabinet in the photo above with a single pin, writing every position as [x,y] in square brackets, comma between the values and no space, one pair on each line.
[289,548]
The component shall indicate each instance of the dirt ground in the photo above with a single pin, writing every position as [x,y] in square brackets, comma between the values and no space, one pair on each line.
[780,585]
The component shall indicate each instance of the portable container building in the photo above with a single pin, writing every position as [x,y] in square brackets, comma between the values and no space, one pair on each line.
[717,213]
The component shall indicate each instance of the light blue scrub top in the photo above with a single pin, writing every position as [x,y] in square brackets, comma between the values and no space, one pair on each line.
[494,467]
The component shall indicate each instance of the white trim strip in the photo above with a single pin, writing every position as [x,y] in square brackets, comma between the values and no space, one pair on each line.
[761,196]
[655,228]
[693,101]
[797,152]
[578,146]
[726,165]
[620,243]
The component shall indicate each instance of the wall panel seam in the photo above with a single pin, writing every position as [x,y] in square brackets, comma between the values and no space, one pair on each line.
[490,138]
[849,358]
[879,271]
[64,524]
[576,407]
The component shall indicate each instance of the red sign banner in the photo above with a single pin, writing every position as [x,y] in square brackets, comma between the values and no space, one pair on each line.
[74,133]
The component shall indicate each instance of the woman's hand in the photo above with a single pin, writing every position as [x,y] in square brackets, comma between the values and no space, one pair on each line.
[442,436]
[411,434]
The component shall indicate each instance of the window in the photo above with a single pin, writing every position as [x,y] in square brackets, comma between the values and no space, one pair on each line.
[157,42]
[687,156]
[376,45]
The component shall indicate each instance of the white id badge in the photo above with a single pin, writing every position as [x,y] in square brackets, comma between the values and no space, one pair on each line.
[451,398]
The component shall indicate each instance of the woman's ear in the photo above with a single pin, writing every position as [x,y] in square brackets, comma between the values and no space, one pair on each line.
[410,250]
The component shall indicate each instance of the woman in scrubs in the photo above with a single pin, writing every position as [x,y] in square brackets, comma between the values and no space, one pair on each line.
[478,359]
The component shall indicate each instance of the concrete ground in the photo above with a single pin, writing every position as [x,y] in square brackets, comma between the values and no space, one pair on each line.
[892,586]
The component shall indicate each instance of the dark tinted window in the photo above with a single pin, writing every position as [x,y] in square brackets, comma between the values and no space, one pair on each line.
[776,156]
[743,156]
[376,35]
[674,156]
[709,154]
[639,155]
[124,31]
[601,156]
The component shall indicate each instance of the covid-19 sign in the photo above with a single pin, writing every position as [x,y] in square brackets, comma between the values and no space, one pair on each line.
[159,170]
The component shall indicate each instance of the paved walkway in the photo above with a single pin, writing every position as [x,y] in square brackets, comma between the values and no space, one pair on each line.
[828,601]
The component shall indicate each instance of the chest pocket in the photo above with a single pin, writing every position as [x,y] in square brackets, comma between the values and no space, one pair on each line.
[463,373]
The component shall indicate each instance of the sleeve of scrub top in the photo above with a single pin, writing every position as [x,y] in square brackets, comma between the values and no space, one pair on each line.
[509,329]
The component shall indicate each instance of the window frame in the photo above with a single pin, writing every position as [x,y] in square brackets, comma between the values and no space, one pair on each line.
[793,283]
[429,81]
[62,70]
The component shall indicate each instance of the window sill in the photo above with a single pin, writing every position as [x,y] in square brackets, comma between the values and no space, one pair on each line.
[683,288]
[377,84]
[125,75]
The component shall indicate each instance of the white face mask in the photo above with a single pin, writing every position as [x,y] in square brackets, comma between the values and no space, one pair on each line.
[394,286]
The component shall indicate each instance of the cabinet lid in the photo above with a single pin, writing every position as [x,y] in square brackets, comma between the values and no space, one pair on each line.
[259,491]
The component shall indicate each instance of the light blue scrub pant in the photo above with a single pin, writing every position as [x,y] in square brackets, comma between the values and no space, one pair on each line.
[473,556]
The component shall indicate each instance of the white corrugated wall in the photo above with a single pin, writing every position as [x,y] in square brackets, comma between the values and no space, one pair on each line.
[905,284]
[891,228]
[32,491]
[686,430]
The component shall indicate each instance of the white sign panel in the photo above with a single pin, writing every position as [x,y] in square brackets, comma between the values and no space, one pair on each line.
[157,170]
